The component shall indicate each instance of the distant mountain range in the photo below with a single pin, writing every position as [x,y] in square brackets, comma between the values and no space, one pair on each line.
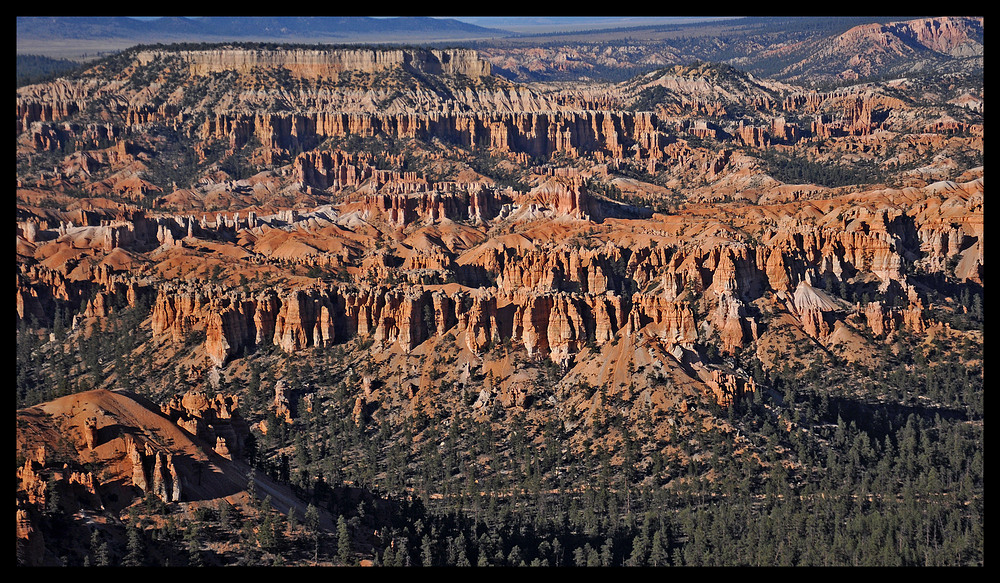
[219,28]
[547,24]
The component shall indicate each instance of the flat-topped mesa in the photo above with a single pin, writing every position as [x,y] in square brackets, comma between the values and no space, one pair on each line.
[314,63]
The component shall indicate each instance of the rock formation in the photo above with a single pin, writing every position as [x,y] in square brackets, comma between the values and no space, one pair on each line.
[217,421]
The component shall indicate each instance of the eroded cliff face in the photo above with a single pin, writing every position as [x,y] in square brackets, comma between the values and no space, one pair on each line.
[535,134]
[326,63]
[405,240]
[555,299]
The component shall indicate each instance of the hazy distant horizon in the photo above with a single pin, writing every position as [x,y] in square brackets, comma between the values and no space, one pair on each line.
[537,23]
[552,23]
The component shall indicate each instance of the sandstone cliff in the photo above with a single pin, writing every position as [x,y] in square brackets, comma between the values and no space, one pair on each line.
[326,63]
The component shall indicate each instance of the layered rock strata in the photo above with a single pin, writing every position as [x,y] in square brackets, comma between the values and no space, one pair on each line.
[327,63]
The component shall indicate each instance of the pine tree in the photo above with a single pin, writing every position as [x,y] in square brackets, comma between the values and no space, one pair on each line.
[135,549]
[267,532]
[53,498]
[557,553]
[312,519]
[99,550]
[640,549]
[344,550]
[658,550]
[312,526]
[193,546]
[252,487]
[388,556]
[515,559]
[461,558]
[225,514]
[402,553]
[607,553]
[427,550]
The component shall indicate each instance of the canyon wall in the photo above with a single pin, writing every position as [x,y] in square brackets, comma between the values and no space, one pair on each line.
[327,63]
